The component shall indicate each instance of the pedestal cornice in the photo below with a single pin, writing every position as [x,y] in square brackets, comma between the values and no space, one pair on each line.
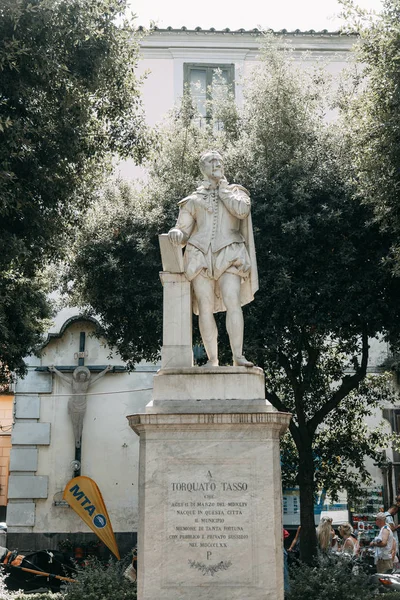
[275,420]
[201,371]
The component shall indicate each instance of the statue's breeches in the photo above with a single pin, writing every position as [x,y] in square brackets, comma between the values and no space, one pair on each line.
[234,258]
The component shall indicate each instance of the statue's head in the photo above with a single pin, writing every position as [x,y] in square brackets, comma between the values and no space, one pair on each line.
[211,164]
[81,374]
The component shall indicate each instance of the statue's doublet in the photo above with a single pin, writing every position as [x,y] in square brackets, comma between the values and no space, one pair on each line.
[218,237]
[209,222]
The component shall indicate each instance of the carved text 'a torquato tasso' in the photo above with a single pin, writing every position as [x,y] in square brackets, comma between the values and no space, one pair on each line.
[237,486]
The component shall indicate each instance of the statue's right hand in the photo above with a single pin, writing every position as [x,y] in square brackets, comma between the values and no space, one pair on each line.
[176,236]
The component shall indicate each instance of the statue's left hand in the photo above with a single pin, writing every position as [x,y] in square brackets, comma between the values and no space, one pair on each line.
[176,236]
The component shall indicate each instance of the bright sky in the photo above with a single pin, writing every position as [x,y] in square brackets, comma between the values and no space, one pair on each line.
[274,14]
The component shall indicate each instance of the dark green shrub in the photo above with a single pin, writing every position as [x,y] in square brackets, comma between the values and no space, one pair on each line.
[96,581]
[332,578]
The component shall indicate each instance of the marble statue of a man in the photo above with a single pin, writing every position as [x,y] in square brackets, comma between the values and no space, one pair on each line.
[214,224]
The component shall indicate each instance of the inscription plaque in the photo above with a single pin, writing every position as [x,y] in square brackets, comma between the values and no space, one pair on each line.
[209,523]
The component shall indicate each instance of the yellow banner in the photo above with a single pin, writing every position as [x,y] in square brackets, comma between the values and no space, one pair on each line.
[84,497]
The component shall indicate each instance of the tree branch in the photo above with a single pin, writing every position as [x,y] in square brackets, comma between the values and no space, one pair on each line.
[285,364]
[276,401]
[279,405]
[313,356]
[349,383]
[294,430]
[297,388]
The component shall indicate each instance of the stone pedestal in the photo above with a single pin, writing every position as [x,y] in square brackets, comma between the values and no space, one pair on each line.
[210,500]
[219,389]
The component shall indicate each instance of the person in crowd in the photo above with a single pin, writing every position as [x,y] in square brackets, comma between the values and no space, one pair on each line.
[390,514]
[295,545]
[286,583]
[383,544]
[327,539]
[349,544]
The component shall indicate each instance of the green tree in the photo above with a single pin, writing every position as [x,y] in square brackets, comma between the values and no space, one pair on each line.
[345,439]
[323,292]
[373,114]
[116,268]
[69,98]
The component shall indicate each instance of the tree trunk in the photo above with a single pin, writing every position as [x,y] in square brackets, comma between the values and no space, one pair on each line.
[308,538]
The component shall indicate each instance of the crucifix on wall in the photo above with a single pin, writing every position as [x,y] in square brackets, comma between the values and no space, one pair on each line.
[80,381]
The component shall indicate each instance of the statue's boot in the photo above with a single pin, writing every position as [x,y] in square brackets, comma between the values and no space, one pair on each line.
[241,361]
[210,364]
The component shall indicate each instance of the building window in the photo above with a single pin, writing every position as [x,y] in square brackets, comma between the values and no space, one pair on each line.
[204,81]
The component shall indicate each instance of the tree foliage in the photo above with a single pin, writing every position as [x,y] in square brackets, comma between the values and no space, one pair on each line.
[373,114]
[24,313]
[323,291]
[345,439]
[69,97]
[115,271]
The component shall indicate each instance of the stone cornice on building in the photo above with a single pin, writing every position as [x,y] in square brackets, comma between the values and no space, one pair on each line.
[170,42]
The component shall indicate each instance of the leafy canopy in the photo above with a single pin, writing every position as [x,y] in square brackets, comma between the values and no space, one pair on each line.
[345,438]
[372,113]
[69,98]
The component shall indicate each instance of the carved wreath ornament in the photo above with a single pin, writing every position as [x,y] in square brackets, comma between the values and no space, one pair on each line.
[210,569]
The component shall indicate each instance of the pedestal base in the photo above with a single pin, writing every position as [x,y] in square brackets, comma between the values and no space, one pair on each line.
[210,506]
[220,389]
